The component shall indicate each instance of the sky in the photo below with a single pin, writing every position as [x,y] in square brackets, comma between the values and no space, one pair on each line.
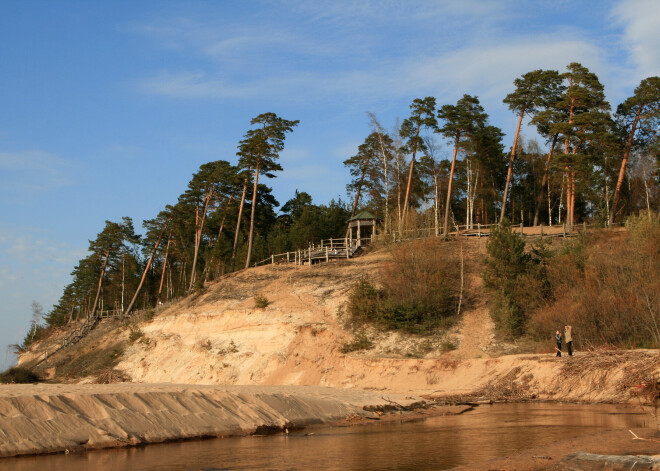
[108,108]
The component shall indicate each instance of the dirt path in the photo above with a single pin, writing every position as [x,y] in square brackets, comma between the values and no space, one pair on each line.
[475,329]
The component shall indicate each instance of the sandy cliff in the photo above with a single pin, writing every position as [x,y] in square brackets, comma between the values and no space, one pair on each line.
[219,337]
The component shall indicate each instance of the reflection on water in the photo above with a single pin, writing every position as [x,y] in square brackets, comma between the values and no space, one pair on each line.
[438,443]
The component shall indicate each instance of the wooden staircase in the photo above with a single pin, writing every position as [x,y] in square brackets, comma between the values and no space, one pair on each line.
[326,250]
[79,333]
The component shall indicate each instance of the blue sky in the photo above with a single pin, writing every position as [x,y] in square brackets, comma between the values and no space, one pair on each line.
[109,107]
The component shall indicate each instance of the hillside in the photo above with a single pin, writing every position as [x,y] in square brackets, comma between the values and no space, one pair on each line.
[220,337]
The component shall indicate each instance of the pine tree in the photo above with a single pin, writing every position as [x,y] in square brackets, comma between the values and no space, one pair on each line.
[363,167]
[639,118]
[535,90]
[260,150]
[461,121]
[423,116]
[584,94]
[106,247]
[211,184]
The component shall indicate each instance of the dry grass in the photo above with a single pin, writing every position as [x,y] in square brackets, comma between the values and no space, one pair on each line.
[639,367]
[111,376]
[608,288]
[418,293]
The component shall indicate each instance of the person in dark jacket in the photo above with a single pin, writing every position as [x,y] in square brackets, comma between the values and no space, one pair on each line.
[558,339]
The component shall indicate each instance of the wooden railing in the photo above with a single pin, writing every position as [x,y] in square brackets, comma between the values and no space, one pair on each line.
[326,250]
[78,333]
[329,249]
[483,230]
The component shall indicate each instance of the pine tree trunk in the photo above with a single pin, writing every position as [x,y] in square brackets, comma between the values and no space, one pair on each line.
[510,171]
[624,162]
[162,276]
[254,207]
[569,188]
[198,237]
[410,175]
[146,270]
[224,216]
[445,228]
[359,188]
[546,176]
[436,208]
[238,224]
[98,289]
[398,190]
[572,197]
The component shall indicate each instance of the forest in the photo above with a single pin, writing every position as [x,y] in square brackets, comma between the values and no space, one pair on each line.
[596,164]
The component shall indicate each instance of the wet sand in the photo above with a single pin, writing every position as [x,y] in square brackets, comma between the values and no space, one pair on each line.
[548,457]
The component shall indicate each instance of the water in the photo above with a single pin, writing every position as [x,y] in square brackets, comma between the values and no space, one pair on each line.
[489,431]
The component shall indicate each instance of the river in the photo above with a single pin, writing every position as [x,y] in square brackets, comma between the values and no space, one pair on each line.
[486,432]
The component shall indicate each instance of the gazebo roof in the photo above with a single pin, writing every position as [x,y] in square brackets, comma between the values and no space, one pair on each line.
[362,215]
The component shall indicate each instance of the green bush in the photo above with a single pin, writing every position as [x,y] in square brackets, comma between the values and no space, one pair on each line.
[516,278]
[359,342]
[419,294]
[149,314]
[135,333]
[448,344]
[260,302]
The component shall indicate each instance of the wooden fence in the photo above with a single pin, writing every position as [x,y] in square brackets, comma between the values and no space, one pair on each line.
[326,250]
[484,230]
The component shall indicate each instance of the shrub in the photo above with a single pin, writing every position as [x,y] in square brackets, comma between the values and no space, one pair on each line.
[516,278]
[359,342]
[260,302]
[364,302]
[149,314]
[18,374]
[419,293]
[607,288]
[231,348]
[448,344]
[135,333]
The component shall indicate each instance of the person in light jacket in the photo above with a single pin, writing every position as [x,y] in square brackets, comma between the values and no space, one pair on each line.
[568,337]
[558,339]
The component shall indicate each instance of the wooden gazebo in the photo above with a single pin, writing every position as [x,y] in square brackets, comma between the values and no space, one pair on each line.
[365,224]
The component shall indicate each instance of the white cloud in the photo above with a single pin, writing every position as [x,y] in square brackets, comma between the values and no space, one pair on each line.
[487,70]
[641,23]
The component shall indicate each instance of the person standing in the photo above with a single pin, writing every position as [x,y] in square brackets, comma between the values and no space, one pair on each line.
[568,337]
[558,339]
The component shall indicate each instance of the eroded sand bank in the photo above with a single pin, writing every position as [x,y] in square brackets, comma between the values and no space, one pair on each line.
[46,418]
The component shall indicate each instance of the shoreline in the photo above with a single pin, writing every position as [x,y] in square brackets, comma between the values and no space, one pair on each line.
[61,418]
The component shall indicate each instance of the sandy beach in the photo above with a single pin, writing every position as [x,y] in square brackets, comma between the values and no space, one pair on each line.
[50,418]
